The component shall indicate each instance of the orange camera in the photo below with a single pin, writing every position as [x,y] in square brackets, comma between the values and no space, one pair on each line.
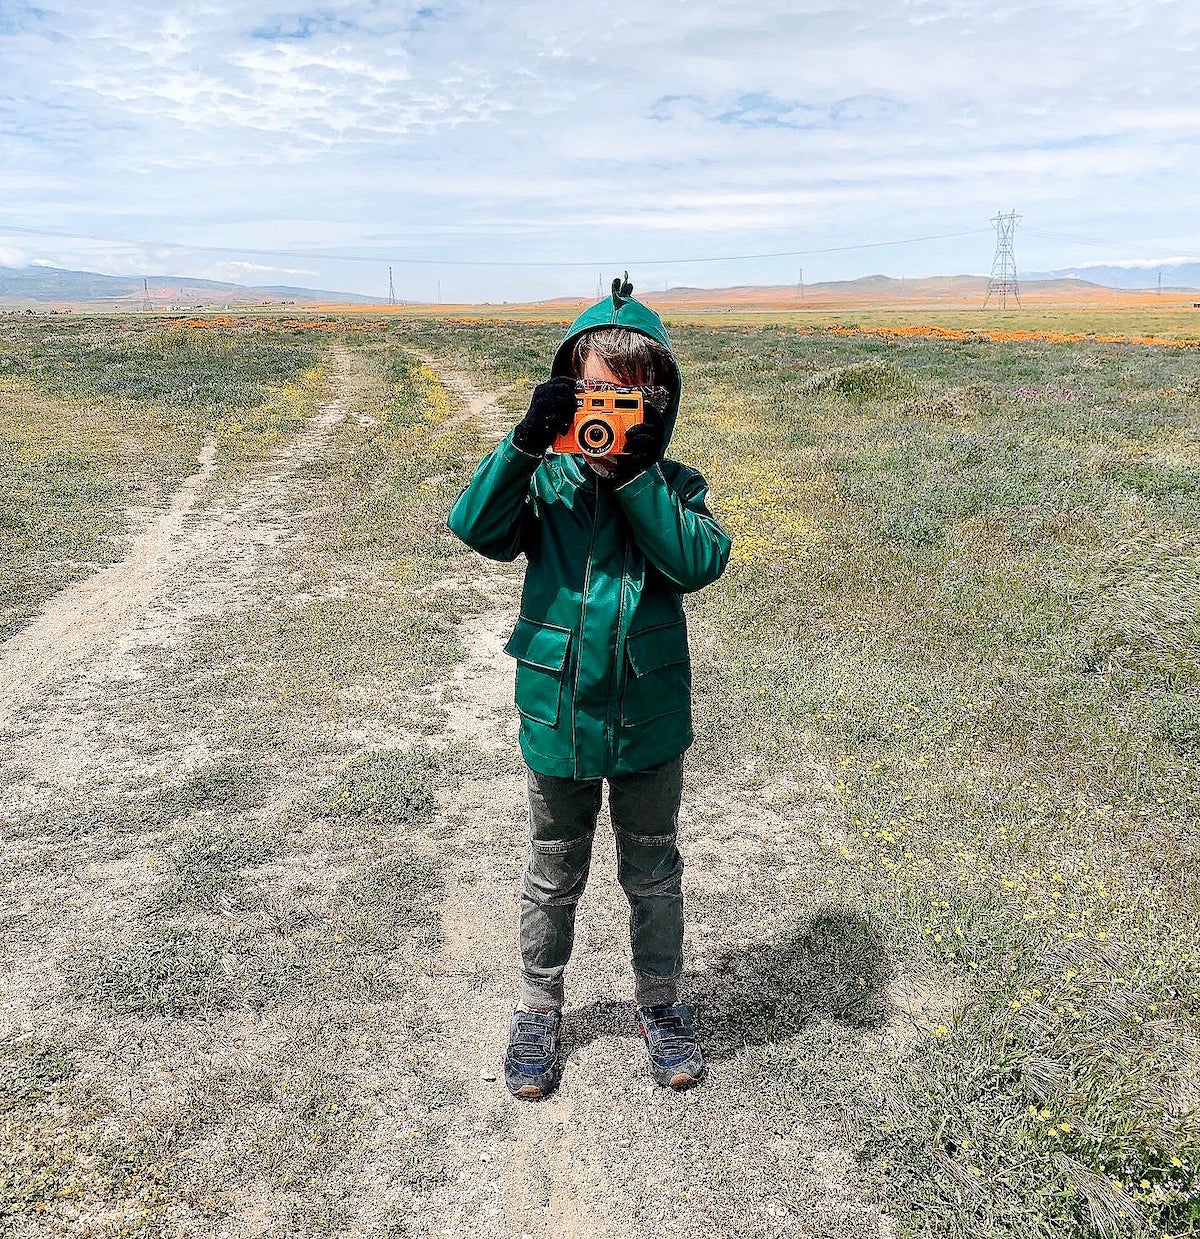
[602,416]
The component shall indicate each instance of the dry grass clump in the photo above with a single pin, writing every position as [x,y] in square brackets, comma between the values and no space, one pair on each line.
[1140,606]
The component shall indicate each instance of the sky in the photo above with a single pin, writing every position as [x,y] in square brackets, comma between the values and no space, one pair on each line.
[682,139]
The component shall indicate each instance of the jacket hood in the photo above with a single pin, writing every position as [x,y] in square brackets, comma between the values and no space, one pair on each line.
[621,310]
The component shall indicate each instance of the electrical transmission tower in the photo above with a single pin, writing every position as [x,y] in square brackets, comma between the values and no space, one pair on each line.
[146,307]
[391,289]
[1003,280]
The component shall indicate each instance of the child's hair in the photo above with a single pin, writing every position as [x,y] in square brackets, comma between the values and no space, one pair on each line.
[634,358]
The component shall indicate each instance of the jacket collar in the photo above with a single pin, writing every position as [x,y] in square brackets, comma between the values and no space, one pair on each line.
[567,475]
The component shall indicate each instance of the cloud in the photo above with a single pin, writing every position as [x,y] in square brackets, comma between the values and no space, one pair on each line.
[472,132]
[246,268]
[1138,264]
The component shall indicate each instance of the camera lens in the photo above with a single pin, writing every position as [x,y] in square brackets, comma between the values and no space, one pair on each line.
[595,437]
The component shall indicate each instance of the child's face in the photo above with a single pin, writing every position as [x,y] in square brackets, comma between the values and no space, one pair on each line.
[595,367]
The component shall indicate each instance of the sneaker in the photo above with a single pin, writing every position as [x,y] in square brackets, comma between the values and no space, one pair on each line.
[670,1036]
[533,1062]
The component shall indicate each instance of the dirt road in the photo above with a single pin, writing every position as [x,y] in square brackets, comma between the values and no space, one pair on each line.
[405,1127]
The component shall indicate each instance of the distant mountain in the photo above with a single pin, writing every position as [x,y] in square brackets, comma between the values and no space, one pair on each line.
[877,291]
[56,285]
[874,287]
[1177,276]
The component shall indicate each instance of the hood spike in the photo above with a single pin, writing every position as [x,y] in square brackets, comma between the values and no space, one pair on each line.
[621,291]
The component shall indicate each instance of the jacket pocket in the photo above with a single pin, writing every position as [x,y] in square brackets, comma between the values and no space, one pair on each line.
[541,654]
[658,674]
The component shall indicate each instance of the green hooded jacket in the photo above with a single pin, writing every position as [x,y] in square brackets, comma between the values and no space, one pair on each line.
[603,673]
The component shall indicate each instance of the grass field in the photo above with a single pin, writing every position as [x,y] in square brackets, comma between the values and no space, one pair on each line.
[1170,319]
[956,655]
[97,415]
[968,576]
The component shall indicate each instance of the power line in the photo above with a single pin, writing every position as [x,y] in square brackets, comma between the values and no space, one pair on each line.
[463,262]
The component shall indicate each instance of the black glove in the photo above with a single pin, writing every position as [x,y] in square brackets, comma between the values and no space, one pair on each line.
[551,412]
[643,442]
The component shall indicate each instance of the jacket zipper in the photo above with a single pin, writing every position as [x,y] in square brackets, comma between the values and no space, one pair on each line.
[618,663]
[587,578]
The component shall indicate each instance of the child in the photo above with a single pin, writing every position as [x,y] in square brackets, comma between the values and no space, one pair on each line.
[603,677]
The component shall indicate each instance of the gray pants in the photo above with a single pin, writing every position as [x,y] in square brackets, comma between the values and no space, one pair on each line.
[645,814]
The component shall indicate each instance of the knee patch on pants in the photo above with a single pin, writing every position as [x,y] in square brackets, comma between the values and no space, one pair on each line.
[558,870]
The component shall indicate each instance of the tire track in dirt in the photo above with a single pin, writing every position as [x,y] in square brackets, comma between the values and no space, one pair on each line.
[484,408]
[514,1172]
[196,557]
[76,623]
[609,1153]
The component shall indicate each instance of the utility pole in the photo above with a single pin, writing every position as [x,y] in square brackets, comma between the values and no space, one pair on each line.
[391,289]
[1003,279]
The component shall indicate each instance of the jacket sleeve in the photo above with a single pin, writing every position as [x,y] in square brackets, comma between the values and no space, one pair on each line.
[494,514]
[674,528]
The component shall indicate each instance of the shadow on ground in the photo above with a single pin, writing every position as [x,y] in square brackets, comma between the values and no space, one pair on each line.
[832,965]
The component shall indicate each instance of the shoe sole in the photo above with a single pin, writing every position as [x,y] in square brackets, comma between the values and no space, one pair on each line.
[535,1092]
[677,1080]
